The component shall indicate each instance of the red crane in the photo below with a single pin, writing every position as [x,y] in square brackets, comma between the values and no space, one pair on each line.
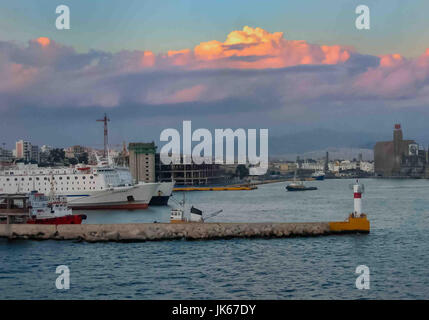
[105,120]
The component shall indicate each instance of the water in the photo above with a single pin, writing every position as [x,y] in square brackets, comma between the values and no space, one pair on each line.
[396,251]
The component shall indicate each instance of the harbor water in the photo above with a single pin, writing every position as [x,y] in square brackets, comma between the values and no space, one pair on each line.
[396,251]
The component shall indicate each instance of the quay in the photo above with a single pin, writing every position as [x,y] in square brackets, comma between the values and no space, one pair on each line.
[226,188]
[187,231]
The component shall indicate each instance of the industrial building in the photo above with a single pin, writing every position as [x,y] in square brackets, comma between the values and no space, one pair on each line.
[189,174]
[142,161]
[400,158]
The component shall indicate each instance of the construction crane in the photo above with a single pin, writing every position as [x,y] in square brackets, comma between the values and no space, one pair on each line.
[105,120]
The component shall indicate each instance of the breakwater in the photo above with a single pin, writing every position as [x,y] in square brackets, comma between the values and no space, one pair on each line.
[167,231]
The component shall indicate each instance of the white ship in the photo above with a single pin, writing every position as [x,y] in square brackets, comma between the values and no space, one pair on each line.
[86,187]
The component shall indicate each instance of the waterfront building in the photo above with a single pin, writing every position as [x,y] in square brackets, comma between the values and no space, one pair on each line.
[399,157]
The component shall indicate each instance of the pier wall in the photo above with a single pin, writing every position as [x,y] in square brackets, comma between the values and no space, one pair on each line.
[164,231]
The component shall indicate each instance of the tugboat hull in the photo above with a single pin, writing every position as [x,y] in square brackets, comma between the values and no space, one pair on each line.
[291,188]
[68,219]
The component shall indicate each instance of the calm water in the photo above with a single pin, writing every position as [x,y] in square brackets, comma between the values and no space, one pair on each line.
[396,251]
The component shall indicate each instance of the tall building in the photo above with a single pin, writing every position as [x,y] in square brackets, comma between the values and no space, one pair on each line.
[5,155]
[24,150]
[399,157]
[34,155]
[142,161]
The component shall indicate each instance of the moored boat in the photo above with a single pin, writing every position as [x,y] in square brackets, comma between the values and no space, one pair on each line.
[318,175]
[85,186]
[51,210]
[37,208]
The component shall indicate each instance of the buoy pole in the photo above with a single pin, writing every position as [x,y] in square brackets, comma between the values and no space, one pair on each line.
[357,195]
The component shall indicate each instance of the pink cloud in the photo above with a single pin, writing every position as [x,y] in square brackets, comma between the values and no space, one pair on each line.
[255,48]
[391,60]
[43,41]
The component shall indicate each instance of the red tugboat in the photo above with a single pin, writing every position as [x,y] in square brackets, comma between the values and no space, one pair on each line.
[51,210]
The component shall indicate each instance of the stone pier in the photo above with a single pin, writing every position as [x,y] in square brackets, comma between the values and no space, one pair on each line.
[166,231]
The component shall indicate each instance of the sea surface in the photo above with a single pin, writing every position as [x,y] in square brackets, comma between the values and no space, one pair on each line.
[396,251]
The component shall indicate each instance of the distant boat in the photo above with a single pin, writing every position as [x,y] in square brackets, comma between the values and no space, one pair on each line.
[318,175]
[298,186]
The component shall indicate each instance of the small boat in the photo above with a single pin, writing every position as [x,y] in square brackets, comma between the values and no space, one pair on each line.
[318,175]
[51,210]
[195,215]
[298,186]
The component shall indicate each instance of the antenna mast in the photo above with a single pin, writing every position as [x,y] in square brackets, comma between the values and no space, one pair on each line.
[105,120]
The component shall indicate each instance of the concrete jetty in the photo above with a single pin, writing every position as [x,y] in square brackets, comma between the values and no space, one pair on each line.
[167,231]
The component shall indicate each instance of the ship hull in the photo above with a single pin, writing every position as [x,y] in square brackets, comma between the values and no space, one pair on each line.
[162,194]
[129,198]
[159,201]
[109,206]
[290,188]
[68,219]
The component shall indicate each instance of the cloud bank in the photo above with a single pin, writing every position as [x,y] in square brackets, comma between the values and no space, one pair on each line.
[261,70]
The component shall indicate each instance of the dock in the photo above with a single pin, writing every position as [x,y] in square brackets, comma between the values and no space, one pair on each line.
[186,231]
[226,188]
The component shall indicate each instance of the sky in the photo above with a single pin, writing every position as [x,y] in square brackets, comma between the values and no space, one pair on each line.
[289,66]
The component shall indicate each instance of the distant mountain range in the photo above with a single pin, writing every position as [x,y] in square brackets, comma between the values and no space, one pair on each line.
[315,143]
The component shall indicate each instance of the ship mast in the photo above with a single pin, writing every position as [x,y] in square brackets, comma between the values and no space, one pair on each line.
[105,120]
